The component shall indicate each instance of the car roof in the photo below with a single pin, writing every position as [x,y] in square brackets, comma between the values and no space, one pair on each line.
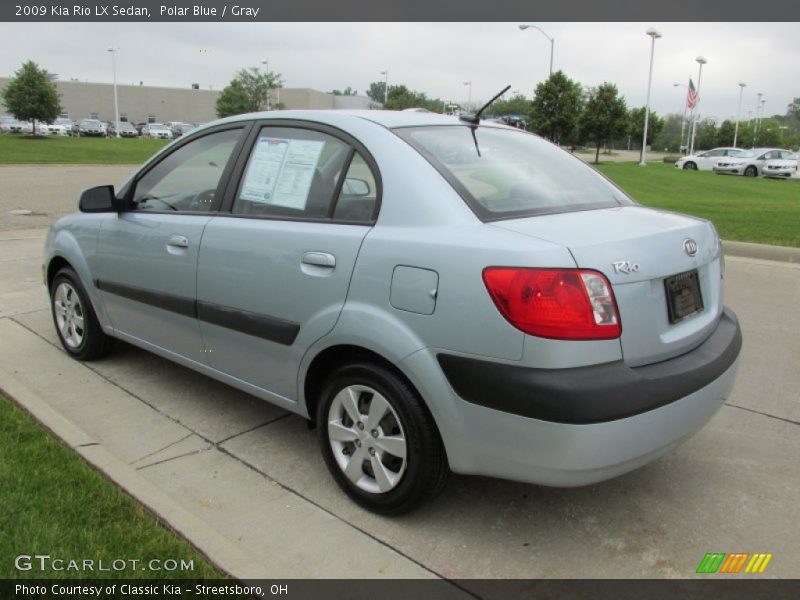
[386,118]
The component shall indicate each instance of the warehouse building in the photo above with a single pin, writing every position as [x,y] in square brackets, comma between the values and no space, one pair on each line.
[141,103]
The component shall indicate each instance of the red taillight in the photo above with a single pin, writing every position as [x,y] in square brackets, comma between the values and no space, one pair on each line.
[564,304]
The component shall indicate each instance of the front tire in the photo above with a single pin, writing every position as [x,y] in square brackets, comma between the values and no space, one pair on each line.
[378,439]
[690,166]
[751,171]
[76,323]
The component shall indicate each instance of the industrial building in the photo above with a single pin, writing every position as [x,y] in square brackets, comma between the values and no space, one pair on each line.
[142,104]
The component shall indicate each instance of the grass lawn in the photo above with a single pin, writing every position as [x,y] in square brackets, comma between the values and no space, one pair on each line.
[80,151]
[742,208]
[52,502]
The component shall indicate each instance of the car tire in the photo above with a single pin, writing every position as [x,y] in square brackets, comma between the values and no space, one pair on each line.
[74,318]
[369,414]
[690,166]
[751,171]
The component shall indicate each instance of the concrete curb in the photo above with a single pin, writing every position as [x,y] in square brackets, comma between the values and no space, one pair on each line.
[762,251]
[221,553]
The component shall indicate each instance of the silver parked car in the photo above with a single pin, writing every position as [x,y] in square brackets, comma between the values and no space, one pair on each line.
[750,163]
[157,131]
[433,293]
[783,168]
[705,161]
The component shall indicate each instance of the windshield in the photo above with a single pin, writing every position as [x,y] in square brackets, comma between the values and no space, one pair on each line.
[90,122]
[157,126]
[506,173]
[748,154]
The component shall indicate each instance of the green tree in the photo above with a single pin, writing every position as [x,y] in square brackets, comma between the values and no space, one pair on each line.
[655,125]
[401,97]
[705,136]
[31,95]
[556,108]
[604,117]
[348,91]
[725,134]
[247,92]
[516,105]
[377,90]
[669,138]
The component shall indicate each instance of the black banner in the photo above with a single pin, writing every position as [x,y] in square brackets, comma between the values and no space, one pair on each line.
[404,589]
[394,10]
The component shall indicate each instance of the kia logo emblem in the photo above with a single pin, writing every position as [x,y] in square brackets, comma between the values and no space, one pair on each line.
[690,246]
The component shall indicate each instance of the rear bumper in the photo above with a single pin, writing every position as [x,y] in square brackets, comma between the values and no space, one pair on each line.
[597,393]
[486,441]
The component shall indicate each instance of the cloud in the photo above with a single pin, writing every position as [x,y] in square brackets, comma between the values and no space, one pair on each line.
[432,57]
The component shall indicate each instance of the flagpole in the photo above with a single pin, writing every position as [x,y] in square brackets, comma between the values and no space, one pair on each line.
[701,61]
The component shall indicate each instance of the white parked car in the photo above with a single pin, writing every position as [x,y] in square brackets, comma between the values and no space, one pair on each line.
[60,126]
[750,163]
[783,168]
[5,124]
[157,130]
[705,161]
[20,127]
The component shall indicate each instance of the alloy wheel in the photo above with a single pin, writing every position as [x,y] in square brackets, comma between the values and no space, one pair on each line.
[69,315]
[367,439]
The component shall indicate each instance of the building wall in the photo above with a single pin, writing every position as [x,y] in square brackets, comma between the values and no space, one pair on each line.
[82,99]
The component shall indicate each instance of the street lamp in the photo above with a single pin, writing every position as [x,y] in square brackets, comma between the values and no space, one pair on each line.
[552,41]
[654,35]
[700,61]
[385,87]
[738,113]
[265,62]
[759,112]
[469,98]
[113,52]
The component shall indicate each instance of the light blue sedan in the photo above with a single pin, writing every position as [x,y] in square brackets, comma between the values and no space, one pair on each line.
[434,293]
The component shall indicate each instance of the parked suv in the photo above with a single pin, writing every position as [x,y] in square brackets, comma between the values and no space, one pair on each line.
[434,294]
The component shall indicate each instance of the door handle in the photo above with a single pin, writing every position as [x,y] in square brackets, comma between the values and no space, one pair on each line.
[319,259]
[178,241]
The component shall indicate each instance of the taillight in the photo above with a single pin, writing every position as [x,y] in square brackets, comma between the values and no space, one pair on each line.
[564,304]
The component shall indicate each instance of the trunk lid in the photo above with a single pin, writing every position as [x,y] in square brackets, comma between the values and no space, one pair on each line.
[647,247]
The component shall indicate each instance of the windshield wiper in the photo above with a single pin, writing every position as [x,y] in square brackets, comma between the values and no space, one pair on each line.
[474,119]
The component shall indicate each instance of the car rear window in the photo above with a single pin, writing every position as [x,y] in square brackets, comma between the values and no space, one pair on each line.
[507,173]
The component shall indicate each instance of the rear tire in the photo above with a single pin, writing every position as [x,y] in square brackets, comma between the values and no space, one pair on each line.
[74,318]
[378,439]
[751,171]
[690,166]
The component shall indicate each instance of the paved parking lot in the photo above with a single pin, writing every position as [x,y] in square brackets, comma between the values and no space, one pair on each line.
[246,483]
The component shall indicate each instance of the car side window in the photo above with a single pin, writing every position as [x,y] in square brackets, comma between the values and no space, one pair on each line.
[291,173]
[187,179]
[359,193]
[715,153]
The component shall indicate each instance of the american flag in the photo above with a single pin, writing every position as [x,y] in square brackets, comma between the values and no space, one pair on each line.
[691,95]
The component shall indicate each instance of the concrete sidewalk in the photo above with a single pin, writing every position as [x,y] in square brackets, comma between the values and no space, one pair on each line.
[245,483]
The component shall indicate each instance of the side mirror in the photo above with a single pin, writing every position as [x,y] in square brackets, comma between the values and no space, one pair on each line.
[99,199]
[355,187]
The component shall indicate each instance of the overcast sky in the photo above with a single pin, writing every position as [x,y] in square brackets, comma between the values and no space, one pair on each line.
[432,57]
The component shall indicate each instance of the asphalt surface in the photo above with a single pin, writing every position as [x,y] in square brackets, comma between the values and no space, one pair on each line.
[246,483]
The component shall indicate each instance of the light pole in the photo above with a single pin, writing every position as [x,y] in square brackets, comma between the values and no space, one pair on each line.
[654,35]
[113,52]
[683,120]
[469,97]
[738,113]
[552,41]
[760,115]
[758,118]
[701,61]
[385,87]
[265,62]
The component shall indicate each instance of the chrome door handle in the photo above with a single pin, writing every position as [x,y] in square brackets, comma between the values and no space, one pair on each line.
[319,259]
[178,241]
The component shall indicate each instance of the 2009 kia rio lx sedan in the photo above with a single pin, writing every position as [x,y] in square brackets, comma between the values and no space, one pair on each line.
[434,294]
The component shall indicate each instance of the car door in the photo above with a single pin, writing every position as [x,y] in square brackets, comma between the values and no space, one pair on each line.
[707,160]
[275,263]
[148,253]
